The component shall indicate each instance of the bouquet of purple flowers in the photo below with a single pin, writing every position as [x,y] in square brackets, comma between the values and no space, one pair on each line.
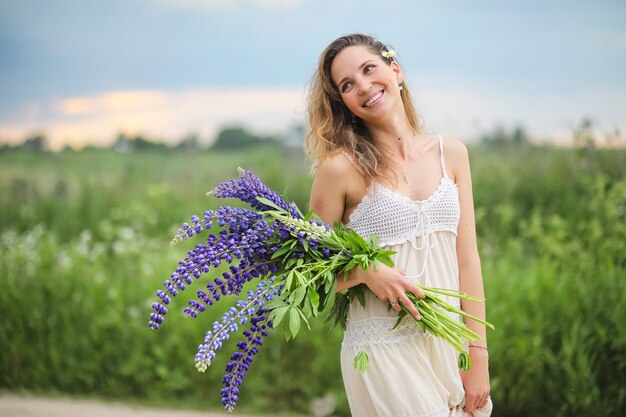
[296,259]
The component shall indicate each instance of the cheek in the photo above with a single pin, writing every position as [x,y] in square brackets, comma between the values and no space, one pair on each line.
[350,101]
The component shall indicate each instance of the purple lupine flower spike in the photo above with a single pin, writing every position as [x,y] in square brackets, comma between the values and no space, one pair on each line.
[247,188]
[241,360]
[239,218]
[242,240]
[214,339]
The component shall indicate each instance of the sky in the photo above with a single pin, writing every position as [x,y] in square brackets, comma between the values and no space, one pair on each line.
[83,71]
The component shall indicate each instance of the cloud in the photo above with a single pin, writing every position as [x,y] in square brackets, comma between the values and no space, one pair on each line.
[111,102]
[160,114]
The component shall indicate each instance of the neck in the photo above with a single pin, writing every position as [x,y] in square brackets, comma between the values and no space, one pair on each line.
[399,137]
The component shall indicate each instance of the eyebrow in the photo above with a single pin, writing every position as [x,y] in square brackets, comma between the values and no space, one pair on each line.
[360,68]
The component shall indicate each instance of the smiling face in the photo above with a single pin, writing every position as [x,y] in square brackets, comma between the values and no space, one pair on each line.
[367,84]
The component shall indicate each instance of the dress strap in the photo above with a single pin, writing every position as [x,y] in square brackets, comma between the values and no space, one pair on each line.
[443,162]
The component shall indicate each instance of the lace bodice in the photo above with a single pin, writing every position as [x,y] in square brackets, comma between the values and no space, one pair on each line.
[396,219]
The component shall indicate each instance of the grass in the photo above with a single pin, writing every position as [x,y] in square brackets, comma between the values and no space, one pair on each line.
[84,244]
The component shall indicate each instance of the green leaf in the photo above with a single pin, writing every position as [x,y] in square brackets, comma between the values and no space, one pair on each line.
[304,317]
[277,315]
[401,315]
[338,310]
[307,309]
[267,202]
[298,295]
[374,241]
[387,261]
[332,294]
[314,298]
[329,284]
[283,250]
[294,321]
[301,278]
[360,293]
[275,303]
[361,361]
[351,265]
[289,280]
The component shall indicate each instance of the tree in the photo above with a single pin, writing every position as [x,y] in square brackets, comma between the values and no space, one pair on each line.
[125,144]
[237,137]
[500,137]
[37,143]
[189,143]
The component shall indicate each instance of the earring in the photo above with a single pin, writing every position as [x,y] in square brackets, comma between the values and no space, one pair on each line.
[353,120]
[401,87]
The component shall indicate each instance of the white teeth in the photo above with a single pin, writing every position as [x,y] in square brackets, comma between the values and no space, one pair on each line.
[373,99]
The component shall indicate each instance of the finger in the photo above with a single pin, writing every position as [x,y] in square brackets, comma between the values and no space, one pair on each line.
[414,290]
[410,306]
[419,293]
[480,403]
[470,404]
[484,402]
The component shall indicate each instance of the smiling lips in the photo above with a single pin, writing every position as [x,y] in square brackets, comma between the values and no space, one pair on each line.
[373,99]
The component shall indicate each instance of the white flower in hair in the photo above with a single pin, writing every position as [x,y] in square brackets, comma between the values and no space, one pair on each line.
[389,54]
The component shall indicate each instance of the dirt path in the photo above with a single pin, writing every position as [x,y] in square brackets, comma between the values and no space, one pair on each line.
[12,405]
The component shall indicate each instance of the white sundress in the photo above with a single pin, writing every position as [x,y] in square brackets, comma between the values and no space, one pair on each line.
[411,373]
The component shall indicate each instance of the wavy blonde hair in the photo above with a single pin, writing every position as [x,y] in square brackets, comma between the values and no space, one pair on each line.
[333,127]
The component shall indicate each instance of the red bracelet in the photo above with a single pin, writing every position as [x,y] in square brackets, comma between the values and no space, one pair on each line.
[479,347]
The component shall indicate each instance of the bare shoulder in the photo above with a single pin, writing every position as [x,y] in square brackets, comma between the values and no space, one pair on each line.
[336,171]
[335,164]
[336,186]
[454,147]
[456,156]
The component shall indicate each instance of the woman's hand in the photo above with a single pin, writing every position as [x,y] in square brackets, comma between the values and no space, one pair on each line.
[390,284]
[476,380]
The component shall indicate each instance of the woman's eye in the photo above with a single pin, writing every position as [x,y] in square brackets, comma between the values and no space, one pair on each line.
[368,68]
[346,86]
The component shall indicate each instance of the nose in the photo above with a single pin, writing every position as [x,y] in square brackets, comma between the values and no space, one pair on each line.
[364,86]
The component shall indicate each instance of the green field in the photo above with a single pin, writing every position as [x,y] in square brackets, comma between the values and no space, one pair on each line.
[84,244]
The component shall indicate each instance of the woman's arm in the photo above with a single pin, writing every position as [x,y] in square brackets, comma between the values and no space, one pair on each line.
[476,381]
[336,182]
[470,275]
[333,179]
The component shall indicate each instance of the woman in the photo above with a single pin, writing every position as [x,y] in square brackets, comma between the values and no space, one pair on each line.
[378,174]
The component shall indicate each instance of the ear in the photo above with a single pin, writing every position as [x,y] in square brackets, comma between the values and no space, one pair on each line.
[396,68]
